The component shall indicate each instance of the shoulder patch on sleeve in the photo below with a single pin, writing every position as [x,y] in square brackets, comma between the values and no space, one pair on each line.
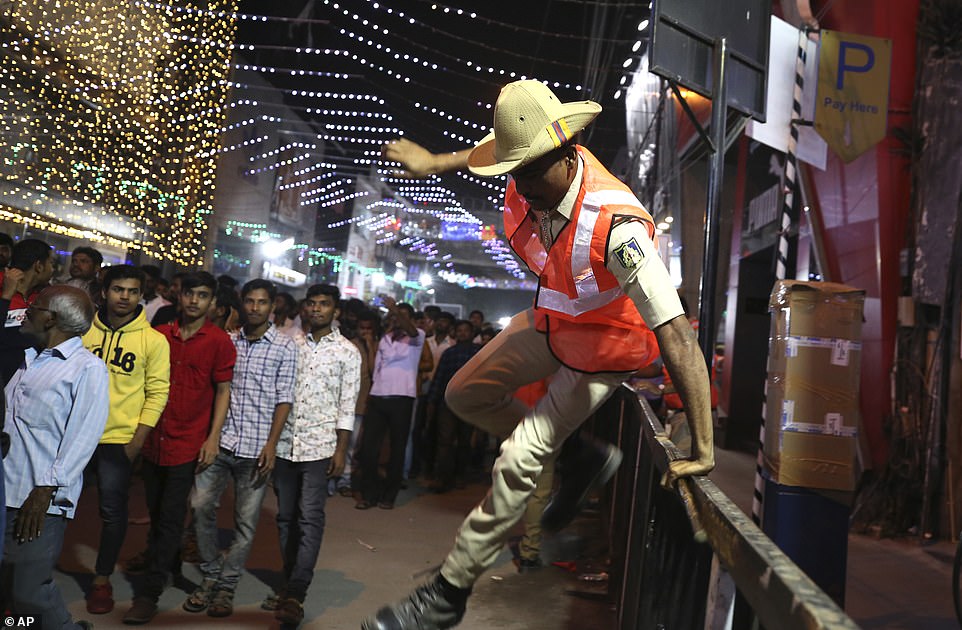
[629,254]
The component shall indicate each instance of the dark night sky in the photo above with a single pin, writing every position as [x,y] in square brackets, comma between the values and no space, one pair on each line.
[557,41]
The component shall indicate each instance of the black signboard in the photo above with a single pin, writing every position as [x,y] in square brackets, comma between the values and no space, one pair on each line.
[683,38]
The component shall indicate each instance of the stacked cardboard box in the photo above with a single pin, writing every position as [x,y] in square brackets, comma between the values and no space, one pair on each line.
[813,384]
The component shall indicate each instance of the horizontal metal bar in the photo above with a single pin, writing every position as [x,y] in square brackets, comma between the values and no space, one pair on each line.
[780,593]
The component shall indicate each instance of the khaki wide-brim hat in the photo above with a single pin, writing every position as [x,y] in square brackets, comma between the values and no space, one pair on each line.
[529,122]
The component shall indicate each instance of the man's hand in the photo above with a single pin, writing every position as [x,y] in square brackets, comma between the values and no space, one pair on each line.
[416,161]
[265,462]
[336,468]
[389,303]
[686,365]
[32,513]
[132,449]
[12,279]
[136,443]
[686,468]
[208,453]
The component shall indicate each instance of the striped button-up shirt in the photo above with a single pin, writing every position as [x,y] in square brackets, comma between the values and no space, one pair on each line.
[263,378]
[57,405]
[328,379]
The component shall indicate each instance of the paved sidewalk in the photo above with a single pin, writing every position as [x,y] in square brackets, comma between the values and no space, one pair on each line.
[892,584]
[368,558]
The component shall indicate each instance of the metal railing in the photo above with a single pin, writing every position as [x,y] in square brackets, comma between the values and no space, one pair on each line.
[676,566]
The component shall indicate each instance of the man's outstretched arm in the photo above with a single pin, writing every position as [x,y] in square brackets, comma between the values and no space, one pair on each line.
[417,162]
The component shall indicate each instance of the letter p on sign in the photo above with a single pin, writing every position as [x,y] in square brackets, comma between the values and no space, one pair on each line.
[853,90]
[848,53]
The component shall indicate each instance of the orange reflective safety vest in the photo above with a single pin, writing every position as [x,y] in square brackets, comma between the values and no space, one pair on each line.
[592,326]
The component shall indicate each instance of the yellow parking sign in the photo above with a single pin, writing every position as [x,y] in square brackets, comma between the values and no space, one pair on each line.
[851,108]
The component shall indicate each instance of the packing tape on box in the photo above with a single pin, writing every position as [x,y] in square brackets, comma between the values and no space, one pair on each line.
[841,348]
[831,426]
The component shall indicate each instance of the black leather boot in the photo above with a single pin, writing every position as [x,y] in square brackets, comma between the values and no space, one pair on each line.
[432,606]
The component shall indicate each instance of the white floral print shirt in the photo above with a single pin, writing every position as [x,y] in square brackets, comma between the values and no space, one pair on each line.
[328,380]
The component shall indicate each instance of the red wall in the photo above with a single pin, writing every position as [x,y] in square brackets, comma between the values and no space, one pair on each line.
[865,206]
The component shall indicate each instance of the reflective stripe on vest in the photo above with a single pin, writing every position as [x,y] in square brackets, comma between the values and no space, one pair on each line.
[562,303]
[586,284]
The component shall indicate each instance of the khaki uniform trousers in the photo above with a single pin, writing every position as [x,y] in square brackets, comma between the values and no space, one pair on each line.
[530,546]
[482,393]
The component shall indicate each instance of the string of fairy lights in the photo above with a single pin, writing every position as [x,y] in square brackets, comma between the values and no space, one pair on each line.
[76,154]
[446,33]
[125,107]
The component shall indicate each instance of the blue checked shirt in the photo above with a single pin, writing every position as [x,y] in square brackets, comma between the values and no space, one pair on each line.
[57,405]
[264,377]
[452,360]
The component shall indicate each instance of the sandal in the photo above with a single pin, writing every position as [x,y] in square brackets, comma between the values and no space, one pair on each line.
[199,600]
[221,604]
[289,611]
[271,601]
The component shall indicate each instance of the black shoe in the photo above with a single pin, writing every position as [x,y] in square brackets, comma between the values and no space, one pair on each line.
[435,605]
[289,611]
[587,471]
[143,610]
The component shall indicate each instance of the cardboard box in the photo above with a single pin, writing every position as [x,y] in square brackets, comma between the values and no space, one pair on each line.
[812,393]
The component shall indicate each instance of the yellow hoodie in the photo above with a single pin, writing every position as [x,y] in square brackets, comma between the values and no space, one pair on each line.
[138,361]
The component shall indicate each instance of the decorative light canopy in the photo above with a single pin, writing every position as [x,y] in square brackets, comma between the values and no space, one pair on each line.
[114,109]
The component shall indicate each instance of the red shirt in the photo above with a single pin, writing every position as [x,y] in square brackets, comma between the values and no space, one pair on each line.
[17,311]
[197,365]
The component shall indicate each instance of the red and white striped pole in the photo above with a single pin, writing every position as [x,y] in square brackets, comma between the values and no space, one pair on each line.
[781,256]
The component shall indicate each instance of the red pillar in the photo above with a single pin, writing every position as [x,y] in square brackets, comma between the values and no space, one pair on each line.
[866,205]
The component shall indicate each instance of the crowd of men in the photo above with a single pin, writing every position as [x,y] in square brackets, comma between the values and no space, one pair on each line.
[199,383]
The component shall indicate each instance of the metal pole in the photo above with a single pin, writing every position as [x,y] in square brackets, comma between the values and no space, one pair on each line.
[781,254]
[716,173]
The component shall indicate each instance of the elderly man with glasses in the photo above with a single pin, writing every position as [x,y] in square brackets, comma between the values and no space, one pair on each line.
[57,406]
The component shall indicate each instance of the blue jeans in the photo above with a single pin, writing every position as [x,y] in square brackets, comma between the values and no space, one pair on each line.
[27,586]
[301,490]
[113,469]
[249,491]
